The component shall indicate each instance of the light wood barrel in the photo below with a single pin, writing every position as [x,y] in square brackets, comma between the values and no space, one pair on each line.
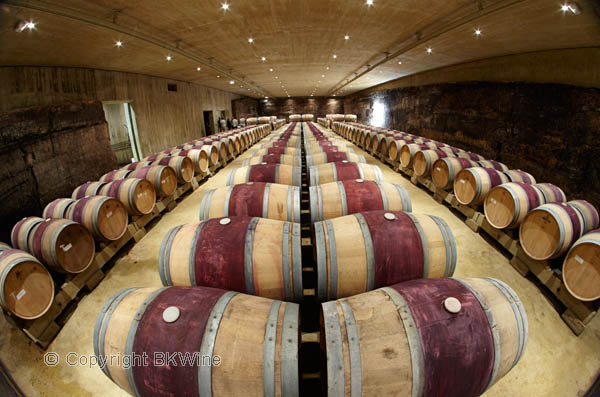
[223,343]
[19,235]
[259,199]
[274,159]
[264,120]
[492,164]
[26,287]
[57,208]
[311,151]
[295,118]
[394,148]
[588,213]
[335,199]
[507,204]
[114,175]
[308,117]
[63,245]
[407,153]
[424,160]
[368,250]
[203,158]
[581,267]
[472,185]
[87,189]
[445,170]
[552,193]
[162,178]
[137,195]
[136,165]
[402,340]
[520,176]
[183,167]
[223,150]
[549,230]
[257,256]
[105,217]
[332,157]
[156,157]
[472,156]
[278,151]
[4,247]
[273,173]
[252,120]
[343,170]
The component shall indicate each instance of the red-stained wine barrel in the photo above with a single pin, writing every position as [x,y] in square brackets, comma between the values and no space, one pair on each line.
[445,170]
[434,337]
[57,208]
[273,173]
[507,204]
[520,176]
[19,235]
[136,165]
[311,151]
[162,178]
[581,267]
[114,175]
[549,230]
[266,200]
[87,189]
[277,151]
[368,250]
[471,156]
[137,195]
[220,343]
[105,217]
[335,199]
[274,159]
[4,247]
[156,157]
[62,245]
[26,288]
[343,170]
[257,256]
[424,160]
[492,164]
[407,153]
[332,157]
[183,167]
[551,193]
[472,185]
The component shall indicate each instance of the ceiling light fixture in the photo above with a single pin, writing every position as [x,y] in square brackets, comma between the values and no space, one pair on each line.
[169,58]
[369,3]
[346,37]
[572,7]
[250,40]
[218,76]
[119,43]
[198,68]
[231,82]
[334,56]
[477,32]
[327,68]
[399,62]
[276,77]
[225,6]
[429,50]
[263,59]
[271,69]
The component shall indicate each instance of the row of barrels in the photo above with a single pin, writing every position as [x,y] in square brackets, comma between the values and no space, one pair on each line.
[240,256]
[548,225]
[63,240]
[296,118]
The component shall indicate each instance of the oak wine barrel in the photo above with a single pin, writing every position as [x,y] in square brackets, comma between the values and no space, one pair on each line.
[105,217]
[332,157]
[549,230]
[276,151]
[424,160]
[273,173]
[368,250]
[26,287]
[203,158]
[581,267]
[256,256]
[259,199]
[19,235]
[221,343]
[472,185]
[156,157]
[62,245]
[114,175]
[274,159]
[492,164]
[551,193]
[4,247]
[183,167]
[520,176]
[407,153]
[137,195]
[335,199]
[87,189]
[433,337]
[343,170]
[162,178]
[136,165]
[445,170]
[394,148]
[57,208]
[471,156]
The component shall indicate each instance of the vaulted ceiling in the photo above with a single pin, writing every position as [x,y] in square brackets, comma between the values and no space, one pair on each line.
[313,47]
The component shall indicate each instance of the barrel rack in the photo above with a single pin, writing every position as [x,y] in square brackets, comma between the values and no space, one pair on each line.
[545,274]
[43,330]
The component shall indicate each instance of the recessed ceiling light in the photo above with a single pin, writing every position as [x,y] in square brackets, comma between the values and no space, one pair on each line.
[266,97]
[346,37]
[322,75]
[169,57]
[225,6]
[399,62]
[198,68]
[218,76]
[477,32]
[271,69]
[119,43]
[276,77]
[263,59]
[334,56]
[231,82]
[327,68]
[369,3]
[572,7]
[429,50]
[250,40]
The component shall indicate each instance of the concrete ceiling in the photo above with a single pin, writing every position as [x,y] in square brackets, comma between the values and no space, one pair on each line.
[298,38]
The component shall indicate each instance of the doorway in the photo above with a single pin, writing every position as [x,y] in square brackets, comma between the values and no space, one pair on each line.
[209,122]
[122,128]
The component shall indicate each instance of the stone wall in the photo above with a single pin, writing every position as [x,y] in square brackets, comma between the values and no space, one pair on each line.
[45,153]
[549,130]
[244,108]
[283,107]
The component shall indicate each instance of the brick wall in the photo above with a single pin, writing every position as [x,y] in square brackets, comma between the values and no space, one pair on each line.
[45,153]
[549,130]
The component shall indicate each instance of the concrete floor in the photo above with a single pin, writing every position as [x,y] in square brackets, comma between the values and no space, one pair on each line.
[555,363]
